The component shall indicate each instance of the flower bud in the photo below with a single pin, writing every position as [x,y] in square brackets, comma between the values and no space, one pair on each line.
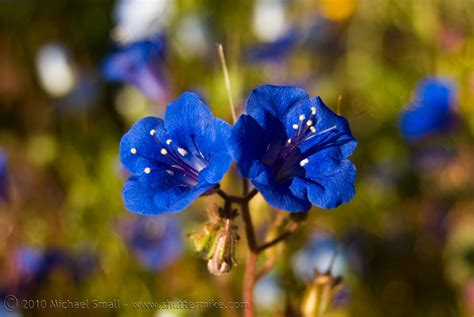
[222,255]
[320,294]
[205,236]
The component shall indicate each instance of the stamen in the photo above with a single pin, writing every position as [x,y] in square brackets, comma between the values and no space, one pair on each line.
[133,150]
[304,162]
[289,141]
[147,170]
[164,151]
[152,132]
[182,151]
[328,129]
[309,123]
[313,129]
[302,117]
[313,110]
[168,141]
[295,126]
[324,131]
[170,172]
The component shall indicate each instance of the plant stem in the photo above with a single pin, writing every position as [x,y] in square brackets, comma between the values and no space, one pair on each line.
[266,268]
[285,234]
[249,283]
[251,265]
[251,275]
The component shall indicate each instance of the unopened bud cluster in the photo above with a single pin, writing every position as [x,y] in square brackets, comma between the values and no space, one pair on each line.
[216,241]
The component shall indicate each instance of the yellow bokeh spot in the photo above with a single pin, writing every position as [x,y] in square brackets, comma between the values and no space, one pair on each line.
[337,10]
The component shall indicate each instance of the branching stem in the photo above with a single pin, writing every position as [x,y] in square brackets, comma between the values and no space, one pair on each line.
[251,274]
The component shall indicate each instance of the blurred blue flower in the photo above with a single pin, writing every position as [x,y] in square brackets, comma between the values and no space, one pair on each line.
[320,252]
[83,97]
[432,110]
[155,241]
[293,148]
[140,64]
[28,261]
[269,294]
[174,160]
[275,51]
[4,193]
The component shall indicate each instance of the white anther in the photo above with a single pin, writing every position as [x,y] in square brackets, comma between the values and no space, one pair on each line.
[289,141]
[170,172]
[182,151]
[152,132]
[304,162]
[295,126]
[313,129]
[309,123]
[164,151]
[168,141]
[313,110]
[133,150]
[302,117]
[147,170]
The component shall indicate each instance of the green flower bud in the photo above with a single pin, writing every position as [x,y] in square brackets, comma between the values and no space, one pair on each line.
[203,239]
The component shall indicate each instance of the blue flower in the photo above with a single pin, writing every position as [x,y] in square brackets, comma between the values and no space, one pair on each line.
[432,110]
[4,195]
[294,149]
[156,241]
[320,252]
[275,51]
[174,160]
[140,64]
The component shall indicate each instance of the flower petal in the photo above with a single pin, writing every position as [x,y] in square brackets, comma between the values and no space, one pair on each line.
[246,148]
[158,192]
[275,100]
[139,149]
[289,195]
[189,121]
[329,182]
[219,158]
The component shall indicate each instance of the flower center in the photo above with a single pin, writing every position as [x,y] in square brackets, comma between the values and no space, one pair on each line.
[178,160]
[289,160]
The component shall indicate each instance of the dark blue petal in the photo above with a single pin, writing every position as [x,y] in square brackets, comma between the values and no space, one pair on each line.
[329,182]
[192,126]
[248,146]
[146,146]
[189,121]
[219,158]
[289,195]
[275,100]
[159,192]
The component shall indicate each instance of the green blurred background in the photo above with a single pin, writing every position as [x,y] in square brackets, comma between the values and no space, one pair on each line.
[410,226]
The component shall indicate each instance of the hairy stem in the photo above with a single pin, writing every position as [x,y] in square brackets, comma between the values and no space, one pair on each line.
[251,265]
[251,274]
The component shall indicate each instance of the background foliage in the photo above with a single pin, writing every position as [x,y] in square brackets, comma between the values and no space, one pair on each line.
[408,231]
